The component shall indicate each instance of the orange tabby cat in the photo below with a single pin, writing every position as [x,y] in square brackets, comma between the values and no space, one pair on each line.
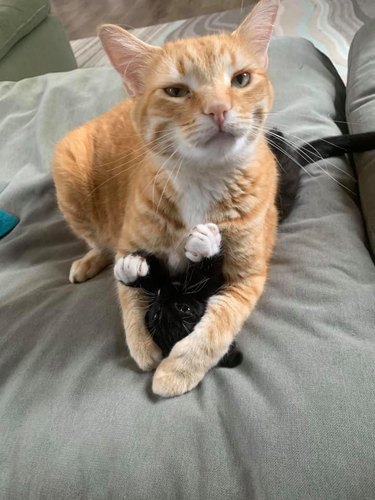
[185,149]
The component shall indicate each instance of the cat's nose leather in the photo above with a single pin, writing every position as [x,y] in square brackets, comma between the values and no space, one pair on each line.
[217,111]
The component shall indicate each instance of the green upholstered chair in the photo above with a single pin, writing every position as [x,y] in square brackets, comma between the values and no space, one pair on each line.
[32,42]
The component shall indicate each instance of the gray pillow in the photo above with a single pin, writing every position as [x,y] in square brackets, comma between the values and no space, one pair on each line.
[360,110]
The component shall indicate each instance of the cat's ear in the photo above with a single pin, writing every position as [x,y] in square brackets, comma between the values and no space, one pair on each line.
[129,56]
[257,28]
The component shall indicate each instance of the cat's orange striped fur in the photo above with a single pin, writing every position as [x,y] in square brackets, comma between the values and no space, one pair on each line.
[143,174]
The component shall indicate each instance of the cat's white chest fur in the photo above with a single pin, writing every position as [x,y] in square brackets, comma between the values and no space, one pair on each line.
[198,195]
[194,205]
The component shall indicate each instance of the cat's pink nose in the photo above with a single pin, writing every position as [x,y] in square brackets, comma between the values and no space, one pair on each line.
[217,111]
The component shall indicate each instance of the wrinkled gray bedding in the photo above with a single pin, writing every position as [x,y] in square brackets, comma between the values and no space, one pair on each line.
[78,420]
[360,111]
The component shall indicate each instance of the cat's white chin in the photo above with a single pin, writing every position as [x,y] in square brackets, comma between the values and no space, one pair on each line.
[219,139]
[222,148]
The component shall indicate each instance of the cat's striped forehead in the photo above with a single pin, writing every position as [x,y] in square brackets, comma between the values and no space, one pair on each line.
[203,61]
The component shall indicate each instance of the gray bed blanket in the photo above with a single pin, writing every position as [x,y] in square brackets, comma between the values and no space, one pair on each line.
[77,418]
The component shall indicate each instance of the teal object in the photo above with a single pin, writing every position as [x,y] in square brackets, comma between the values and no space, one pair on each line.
[7,223]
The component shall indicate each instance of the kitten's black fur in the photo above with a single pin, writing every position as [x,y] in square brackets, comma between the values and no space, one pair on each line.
[177,303]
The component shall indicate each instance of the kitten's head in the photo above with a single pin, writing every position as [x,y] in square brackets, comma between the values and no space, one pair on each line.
[199,98]
[173,314]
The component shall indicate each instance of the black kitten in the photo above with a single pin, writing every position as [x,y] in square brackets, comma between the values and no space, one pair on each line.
[290,159]
[176,304]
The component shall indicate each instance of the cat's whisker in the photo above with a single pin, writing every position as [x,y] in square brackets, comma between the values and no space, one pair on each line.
[279,148]
[156,176]
[184,286]
[122,171]
[280,165]
[311,158]
[153,181]
[174,180]
[303,154]
[178,170]
[196,287]
[327,161]
[185,326]
[316,160]
[287,122]
[152,146]
[290,143]
[335,180]
[167,182]
[145,146]
[140,152]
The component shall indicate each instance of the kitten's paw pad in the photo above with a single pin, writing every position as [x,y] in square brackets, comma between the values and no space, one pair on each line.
[204,241]
[128,269]
[173,378]
[146,354]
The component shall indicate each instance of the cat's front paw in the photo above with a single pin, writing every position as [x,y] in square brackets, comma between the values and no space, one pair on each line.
[145,353]
[203,242]
[174,376]
[128,269]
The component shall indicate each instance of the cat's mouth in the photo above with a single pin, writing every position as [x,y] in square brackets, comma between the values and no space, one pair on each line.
[220,137]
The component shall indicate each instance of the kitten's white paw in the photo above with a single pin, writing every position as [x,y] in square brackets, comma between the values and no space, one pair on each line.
[128,269]
[204,241]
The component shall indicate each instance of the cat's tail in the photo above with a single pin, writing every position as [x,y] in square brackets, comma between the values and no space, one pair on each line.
[232,358]
[337,145]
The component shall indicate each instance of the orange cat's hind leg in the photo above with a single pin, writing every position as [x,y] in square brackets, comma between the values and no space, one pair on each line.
[73,176]
[90,265]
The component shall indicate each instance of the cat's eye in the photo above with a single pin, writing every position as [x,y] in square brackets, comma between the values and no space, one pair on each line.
[241,80]
[177,91]
[155,317]
[183,308]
